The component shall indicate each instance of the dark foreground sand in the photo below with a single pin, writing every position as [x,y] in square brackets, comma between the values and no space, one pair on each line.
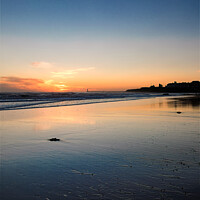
[138,149]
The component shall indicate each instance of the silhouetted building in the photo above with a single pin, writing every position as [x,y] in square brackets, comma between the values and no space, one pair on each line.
[184,85]
[193,87]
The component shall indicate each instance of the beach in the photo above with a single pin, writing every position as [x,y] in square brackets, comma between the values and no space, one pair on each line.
[137,149]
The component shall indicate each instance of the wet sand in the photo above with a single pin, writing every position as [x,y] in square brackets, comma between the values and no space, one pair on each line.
[141,149]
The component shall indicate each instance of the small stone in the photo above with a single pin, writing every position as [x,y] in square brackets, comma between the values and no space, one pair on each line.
[54,139]
[179,112]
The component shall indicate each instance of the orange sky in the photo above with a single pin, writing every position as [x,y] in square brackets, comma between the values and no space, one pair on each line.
[97,46]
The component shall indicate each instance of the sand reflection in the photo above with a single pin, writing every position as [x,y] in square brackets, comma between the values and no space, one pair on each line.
[185,102]
[137,149]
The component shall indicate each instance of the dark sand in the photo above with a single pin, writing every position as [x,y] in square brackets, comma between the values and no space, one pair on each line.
[138,149]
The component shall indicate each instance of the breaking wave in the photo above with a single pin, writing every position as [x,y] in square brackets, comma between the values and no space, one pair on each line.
[14,101]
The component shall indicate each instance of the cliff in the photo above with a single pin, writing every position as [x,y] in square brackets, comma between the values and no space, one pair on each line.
[193,87]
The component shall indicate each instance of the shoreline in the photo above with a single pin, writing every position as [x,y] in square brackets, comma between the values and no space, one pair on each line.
[192,97]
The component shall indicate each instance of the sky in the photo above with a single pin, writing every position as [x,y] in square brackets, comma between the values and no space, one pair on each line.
[75,45]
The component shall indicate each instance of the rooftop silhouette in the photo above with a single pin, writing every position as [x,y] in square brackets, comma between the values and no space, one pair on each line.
[174,87]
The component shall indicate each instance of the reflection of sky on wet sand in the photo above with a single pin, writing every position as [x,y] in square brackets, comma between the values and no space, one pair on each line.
[107,151]
[187,102]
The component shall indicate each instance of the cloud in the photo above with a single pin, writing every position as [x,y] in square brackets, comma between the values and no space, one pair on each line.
[71,72]
[26,81]
[60,74]
[18,84]
[43,65]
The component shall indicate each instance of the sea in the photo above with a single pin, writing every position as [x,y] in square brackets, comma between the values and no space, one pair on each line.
[30,100]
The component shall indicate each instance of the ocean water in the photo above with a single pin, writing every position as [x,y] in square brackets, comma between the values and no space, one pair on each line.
[13,101]
[135,149]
